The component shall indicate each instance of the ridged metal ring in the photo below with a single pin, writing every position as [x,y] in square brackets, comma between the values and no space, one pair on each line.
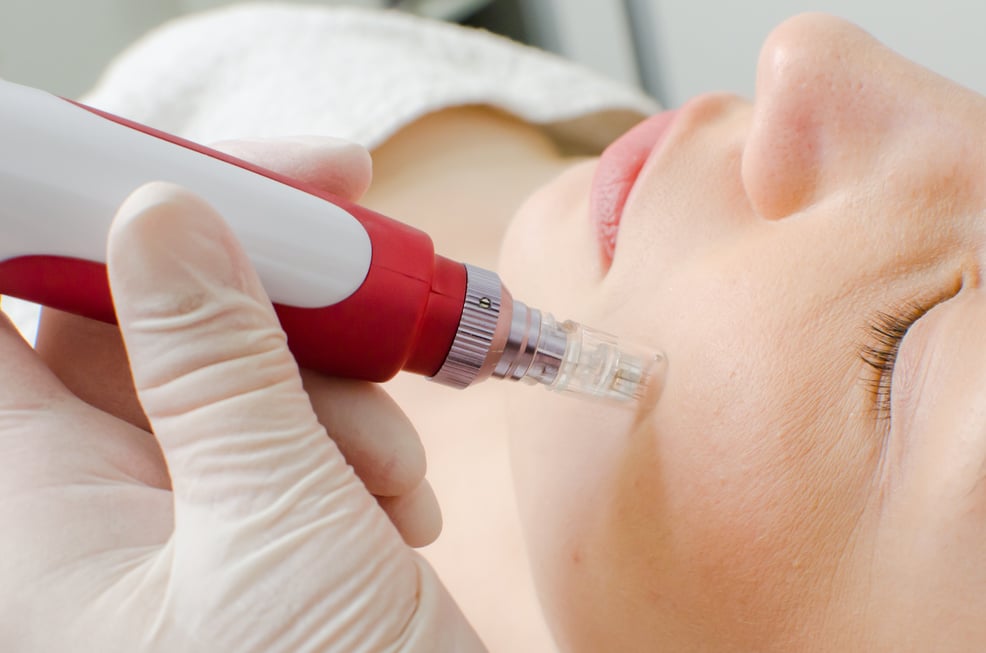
[474,336]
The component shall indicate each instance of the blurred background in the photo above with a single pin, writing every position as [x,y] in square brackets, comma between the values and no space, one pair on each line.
[674,49]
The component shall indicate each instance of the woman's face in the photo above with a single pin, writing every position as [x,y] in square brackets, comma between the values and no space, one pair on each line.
[807,479]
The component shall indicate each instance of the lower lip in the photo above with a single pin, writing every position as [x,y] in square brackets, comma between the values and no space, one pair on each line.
[617,171]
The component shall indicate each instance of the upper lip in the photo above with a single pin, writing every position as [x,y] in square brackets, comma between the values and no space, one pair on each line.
[617,171]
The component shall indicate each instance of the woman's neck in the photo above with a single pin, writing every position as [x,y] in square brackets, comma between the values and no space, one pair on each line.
[459,175]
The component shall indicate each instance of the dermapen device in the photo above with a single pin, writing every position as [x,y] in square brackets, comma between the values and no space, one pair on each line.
[359,295]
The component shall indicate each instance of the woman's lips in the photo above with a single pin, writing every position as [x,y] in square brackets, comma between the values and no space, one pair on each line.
[618,168]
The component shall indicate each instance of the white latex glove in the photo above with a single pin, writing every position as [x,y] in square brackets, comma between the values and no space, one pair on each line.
[267,543]
[371,431]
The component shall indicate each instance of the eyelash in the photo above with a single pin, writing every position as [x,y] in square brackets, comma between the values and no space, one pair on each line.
[887,330]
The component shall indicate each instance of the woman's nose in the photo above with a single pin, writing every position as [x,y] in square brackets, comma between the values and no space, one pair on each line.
[826,104]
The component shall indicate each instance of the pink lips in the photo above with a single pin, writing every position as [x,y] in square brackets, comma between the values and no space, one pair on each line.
[618,168]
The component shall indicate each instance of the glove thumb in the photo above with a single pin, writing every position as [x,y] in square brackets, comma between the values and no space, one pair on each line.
[263,498]
[210,361]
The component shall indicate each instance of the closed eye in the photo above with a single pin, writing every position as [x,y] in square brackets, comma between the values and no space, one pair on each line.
[886,332]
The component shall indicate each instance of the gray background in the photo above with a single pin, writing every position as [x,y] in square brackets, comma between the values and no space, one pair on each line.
[673,48]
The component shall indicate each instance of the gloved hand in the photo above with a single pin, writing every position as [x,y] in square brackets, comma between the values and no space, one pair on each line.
[370,430]
[268,541]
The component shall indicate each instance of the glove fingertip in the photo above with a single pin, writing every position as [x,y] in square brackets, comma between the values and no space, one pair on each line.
[416,515]
[166,246]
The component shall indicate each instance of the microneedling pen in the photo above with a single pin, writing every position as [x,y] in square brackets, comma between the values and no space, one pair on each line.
[359,295]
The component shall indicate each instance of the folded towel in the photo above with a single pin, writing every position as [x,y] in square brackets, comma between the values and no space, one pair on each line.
[362,74]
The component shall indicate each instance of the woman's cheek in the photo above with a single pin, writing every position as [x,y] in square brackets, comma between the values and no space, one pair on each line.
[570,469]
[672,523]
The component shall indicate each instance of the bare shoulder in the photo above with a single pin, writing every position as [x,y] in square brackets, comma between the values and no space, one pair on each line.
[460,174]
[472,132]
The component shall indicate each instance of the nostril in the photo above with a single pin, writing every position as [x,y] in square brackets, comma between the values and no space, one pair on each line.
[781,162]
[807,103]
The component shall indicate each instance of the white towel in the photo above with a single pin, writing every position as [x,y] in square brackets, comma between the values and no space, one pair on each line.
[268,70]
[362,74]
